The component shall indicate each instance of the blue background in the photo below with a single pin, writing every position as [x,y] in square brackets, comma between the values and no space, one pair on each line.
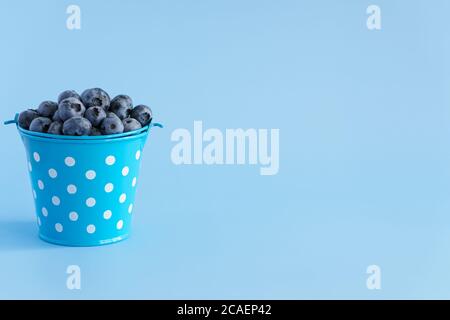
[364,124]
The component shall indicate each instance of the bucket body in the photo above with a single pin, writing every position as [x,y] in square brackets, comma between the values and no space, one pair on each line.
[83,189]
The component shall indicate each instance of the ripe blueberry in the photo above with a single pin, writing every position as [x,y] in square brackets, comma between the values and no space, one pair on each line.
[25,118]
[143,114]
[68,94]
[121,105]
[95,97]
[77,126]
[130,124]
[56,116]
[70,107]
[40,124]
[55,127]
[111,125]
[47,108]
[95,115]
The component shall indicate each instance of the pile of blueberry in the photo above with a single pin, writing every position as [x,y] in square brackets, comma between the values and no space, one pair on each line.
[92,113]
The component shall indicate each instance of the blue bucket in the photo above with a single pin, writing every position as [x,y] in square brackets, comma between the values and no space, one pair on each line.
[84,187]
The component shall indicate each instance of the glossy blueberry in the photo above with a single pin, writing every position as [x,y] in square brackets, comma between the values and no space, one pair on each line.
[40,124]
[95,132]
[111,125]
[130,124]
[47,108]
[68,94]
[70,107]
[56,116]
[112,114]
[77,126]
[95,97]
[143,114]
[95,115]
[25,118]
[55,127]
[121,105]
[91,113]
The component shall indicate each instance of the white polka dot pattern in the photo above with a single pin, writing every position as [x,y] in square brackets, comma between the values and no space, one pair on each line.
[109,187]
[59,227]
[73,216]
[56,201]
[107,214]
[110,160]
[69,161]
[95,189]
[90,229]
[52,173]
[90,174]
[71,189]
[90,202]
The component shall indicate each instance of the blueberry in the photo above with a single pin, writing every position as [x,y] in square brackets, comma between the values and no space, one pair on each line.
[95,132]
[95,115]
[111,124]
[130,124]
[121,105]
[56,116]
[40,124]
[112,114]
[77,126]
[95,97]
[70,107]
[25,118]
[143,114]
[68,94]
[55,127]
[47,108]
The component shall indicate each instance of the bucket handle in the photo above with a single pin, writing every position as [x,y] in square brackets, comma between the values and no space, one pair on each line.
[12,121]
[159,125]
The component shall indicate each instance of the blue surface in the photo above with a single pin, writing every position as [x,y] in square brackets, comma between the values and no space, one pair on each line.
[364,147]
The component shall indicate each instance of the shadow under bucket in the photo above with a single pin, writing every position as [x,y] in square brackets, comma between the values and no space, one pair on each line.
[84,187]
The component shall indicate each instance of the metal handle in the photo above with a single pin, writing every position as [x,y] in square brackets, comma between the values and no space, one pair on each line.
[12,121]
[159,125]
